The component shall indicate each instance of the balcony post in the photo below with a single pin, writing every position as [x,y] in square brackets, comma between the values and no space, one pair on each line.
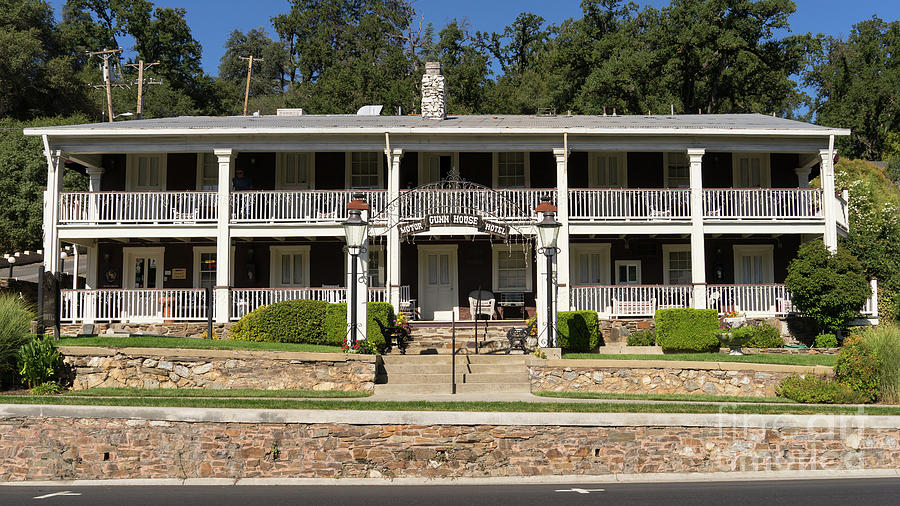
[56,160]
[223,236]
[94,175]
[393,249]
[562,215]
[802,176]
[698,251]
[829,203]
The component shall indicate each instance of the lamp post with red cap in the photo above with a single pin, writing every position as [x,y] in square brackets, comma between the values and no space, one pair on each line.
[548,233]
[355,231]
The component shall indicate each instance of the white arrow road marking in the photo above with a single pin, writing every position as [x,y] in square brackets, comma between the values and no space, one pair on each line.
[583,490]
[56,494]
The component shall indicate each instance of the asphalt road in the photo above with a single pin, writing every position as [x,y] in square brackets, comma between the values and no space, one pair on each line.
[814,492]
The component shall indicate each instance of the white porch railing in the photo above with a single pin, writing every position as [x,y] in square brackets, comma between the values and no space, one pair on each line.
[504,204]
[137,207]
[304,206]
[133,305]
[752,300]
[624,204]
[245,300]
[762,204]
[629,300]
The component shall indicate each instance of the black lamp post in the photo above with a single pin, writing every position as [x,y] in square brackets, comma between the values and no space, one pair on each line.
[11,261]
[355,232]
[548,232]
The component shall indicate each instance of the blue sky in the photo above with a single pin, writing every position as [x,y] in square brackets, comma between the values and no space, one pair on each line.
[212,21]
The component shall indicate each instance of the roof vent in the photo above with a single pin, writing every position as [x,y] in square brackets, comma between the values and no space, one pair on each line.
[289,112]
[370,110]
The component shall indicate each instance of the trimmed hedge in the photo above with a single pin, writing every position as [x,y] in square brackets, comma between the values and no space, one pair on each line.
[290,321]
[857,367]
[826,341]
[643,337]
[687,330]
[816,390]
[336,322]
[761,336]
[578,331]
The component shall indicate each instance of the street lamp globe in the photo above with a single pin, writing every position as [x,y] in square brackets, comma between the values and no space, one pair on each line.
[548,230]
[355,229]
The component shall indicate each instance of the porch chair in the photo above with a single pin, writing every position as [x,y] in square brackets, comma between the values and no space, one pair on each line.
[394,333]
[481,303]
[634,307]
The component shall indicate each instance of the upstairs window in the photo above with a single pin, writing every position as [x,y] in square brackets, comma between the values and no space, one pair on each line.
[364,170]
[678,170]
[512,170]
[146,172]
[607,170]
[207,172]
[294,171]
[751,171]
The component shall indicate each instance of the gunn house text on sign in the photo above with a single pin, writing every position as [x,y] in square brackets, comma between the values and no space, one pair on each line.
[453,220]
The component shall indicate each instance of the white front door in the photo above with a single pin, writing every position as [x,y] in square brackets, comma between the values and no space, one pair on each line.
[754,264]
[143,267]
[437,281]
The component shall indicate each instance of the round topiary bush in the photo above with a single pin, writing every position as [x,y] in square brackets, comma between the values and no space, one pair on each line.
[764,336]
[687,330]
[290,321]
[826,341]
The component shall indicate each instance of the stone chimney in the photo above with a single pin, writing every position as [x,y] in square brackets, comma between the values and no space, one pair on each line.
[434,97]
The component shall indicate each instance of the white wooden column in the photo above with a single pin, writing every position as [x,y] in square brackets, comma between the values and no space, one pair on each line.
[55,165]
[90,281]
[829,205]
[698,249]
[562,214]
[393,249]
[802,176]
[94,175]
[223,236]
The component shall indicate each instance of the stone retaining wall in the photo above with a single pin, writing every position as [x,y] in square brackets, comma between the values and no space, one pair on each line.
[662,377]
[172,329]
[218,369]
[119,444]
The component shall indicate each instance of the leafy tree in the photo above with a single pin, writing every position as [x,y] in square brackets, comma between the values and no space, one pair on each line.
[466,68]
[268,74]
[830,288]
[857,81]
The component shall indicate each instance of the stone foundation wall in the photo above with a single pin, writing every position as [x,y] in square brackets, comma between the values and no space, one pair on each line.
[218,369]
[104,447]
[659,377]
[171,329]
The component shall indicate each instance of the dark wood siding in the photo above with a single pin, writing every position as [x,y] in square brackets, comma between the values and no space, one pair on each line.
[476,167]
[543,169]
[717,170]
[330,170]
[181,171]
[409,170]
[645,170]
[260,167]
[113,178]
[578,169]
[783,165]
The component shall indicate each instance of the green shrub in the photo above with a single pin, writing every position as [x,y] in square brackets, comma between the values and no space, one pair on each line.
[578,331]
[857,367]
[336,322]
[817,390]
[687,330]
[15,322]
[765,336]
[826,341]
[830,288]
[643,337]
[39,360]
[48,388]
[290,321]
[884,342]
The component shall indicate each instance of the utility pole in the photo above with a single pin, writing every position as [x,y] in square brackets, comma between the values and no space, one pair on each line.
[140,83]
[250,59]
[106,54]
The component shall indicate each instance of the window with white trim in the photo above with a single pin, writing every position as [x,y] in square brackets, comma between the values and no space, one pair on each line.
[607,170]
[289,266]
[677,170]
[295,171]
[589,264]
[677,264]
[754,264]
[364,170]
[751,171]
[207,171]
[512,169]
[628,272]
[512,269]
[146,172]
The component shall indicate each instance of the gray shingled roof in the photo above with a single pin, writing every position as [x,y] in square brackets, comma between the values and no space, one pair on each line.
[598,124]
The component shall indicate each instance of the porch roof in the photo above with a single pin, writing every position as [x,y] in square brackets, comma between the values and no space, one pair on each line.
[685,124]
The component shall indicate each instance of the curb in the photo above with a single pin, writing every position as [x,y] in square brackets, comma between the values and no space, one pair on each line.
[744,476]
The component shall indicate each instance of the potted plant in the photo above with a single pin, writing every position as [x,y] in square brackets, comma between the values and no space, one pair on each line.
[733,334]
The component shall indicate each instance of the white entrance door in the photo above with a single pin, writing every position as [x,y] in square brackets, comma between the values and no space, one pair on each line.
[143,269]
[438,293]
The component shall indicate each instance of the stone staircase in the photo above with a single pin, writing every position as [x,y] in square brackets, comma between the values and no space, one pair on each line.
[431,374]
[435,339]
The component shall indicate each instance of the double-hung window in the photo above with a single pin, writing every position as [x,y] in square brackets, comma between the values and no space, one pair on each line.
[512,170]
[677,264]
[364,170]
[512,269]
[678,170]
[290,266]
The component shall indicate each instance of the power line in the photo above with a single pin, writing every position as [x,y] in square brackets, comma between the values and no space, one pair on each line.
[106,54]
[141,66]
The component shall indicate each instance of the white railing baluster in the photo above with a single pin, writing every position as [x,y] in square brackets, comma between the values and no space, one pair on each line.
[151,305]
[627,204]
[762,204]
[245,300]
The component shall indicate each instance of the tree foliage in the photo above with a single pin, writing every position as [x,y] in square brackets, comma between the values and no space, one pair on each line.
[831,288]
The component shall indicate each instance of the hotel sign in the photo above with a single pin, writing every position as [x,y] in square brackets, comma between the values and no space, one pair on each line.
[453,220]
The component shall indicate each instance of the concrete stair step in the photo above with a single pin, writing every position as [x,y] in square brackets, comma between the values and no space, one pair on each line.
[444,369]
[464,377]
[461,388]
[438,359]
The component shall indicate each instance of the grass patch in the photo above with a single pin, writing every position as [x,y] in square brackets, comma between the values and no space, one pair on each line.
[190,343]
[759,358]
[210,393]
[666,397]
[525,407]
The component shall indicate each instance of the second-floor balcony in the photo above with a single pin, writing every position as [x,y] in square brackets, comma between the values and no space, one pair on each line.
[602,205]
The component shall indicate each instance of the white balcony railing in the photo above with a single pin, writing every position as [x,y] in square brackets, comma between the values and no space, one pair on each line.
[305,206]
[625,204]
[762,204]
[752,300]
[133,305]
[245,300]
[137,207]
[504,204]
[629,300]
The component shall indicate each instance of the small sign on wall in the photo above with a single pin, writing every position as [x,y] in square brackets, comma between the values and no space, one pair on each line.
[179,273]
